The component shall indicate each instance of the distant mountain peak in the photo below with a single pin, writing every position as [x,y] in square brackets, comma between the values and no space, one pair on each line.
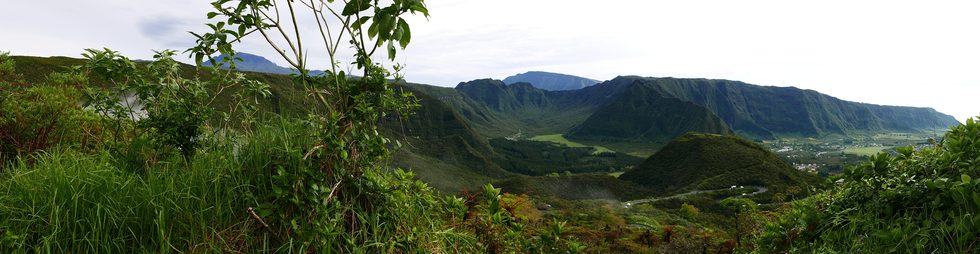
[246,57]
[257,63]
[551,81]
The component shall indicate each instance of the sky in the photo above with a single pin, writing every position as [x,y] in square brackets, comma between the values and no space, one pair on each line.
[908,53]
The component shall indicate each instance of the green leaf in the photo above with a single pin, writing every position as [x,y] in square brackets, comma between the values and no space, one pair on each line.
[241,30]
[360,22]
[420,7]
[199,58]
[355,6]
[391,50]
[211,15]
[965,178]
[406,33]
[373,29]
[386,27]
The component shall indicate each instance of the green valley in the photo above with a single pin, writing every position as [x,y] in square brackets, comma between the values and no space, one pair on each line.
[336,137]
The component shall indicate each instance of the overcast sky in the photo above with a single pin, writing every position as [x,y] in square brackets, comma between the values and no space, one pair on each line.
[909,53]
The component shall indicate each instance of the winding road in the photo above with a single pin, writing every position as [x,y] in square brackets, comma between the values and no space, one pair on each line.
[758,190]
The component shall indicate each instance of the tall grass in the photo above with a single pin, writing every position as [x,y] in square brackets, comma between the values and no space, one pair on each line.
[70,202]
[223,200]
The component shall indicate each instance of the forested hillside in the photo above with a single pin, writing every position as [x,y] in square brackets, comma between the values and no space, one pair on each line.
[706,161]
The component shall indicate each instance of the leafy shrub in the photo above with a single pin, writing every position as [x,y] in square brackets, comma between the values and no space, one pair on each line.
[690,211]
[8,71]
[916,201]
[500,229]
[35,118]
[155,101]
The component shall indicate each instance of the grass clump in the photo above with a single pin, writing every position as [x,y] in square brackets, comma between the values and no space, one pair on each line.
[70,202]
[224,200]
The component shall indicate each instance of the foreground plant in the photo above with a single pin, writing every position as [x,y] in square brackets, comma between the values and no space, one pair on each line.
[332,204]
[916,201]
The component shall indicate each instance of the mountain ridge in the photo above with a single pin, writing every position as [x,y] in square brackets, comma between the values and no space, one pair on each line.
[758,112]
[551,81]
[256,63]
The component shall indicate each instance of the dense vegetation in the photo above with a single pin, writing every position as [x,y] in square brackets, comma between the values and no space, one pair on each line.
[575,187]
[539,158]
[109,155]
[119,156]
[916,202]
[706,162]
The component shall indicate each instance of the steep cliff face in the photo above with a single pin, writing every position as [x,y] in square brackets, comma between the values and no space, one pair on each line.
[646,116]
[647,109]
[760,111]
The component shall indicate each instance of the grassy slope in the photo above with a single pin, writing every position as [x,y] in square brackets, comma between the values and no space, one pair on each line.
[560,139]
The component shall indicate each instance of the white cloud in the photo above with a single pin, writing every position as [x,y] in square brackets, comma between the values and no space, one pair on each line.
[912,53]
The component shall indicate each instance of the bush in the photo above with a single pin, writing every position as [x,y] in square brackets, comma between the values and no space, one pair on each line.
[36,118]
[916,201]
[689,211]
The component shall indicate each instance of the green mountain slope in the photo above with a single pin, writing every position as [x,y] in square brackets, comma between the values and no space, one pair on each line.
[707,161]
[760,111]
[749,110]
[522,108]
[439,145]
[645,115]
[479,116]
